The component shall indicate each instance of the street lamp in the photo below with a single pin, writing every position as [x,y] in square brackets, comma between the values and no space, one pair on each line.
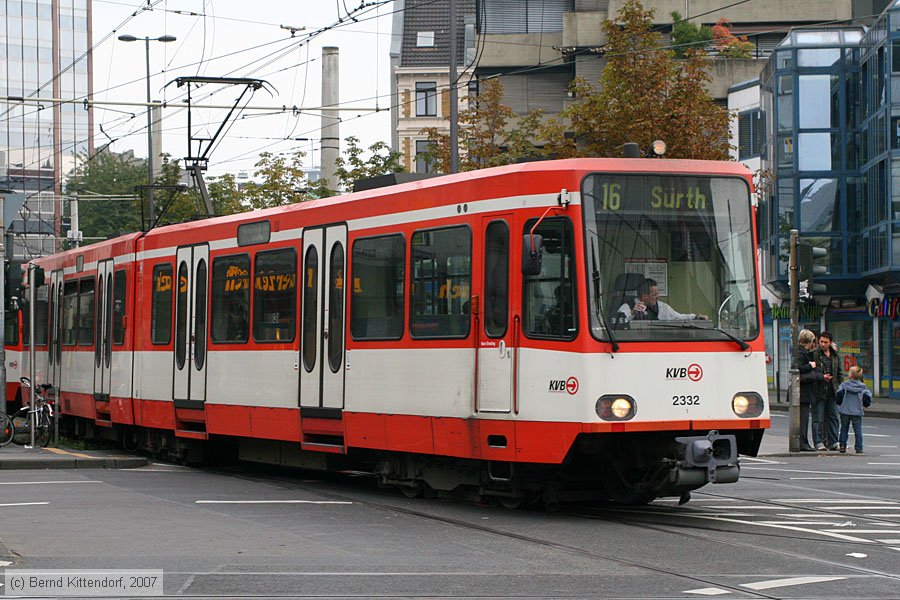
[164,39]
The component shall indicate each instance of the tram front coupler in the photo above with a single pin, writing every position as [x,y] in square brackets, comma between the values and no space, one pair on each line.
[710,458]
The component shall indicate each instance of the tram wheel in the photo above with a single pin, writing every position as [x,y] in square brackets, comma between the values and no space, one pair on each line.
[412,491]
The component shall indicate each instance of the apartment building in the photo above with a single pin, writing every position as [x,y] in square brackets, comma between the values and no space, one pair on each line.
[538,46]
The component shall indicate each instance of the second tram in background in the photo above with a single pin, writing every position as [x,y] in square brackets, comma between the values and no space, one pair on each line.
[461,333]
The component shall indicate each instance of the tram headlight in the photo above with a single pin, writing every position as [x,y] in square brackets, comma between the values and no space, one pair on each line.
[747,405]
[616,407]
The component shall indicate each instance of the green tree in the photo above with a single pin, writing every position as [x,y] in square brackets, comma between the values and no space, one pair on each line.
[107,174]
[281,181]
[645,94]
[688,36]
[225,194]
[490,134]
[351,167]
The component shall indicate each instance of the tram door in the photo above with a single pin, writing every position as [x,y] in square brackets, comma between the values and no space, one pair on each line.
[495,330]
[103,331]
[323,268]
[54,330]
[189,389]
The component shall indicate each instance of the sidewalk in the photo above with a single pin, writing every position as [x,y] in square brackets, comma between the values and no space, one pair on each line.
[881,406]
[14,456]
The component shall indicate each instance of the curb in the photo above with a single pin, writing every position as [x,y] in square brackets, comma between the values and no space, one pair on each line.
[116,462]
[882,414]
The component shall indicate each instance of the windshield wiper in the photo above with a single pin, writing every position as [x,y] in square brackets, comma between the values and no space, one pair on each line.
[744,345]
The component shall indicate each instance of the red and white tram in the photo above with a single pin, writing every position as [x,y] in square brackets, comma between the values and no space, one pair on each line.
[460,332]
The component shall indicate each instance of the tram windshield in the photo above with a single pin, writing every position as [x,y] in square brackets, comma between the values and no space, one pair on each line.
[670,258]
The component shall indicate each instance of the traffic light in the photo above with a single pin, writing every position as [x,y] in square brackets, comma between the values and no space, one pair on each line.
[806,259]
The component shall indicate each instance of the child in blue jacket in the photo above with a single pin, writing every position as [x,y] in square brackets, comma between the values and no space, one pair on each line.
[852,397]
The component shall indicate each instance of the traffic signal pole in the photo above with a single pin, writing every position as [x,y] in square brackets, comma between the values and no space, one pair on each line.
[794,429]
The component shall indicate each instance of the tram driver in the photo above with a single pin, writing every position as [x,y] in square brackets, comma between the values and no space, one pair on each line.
[647,306]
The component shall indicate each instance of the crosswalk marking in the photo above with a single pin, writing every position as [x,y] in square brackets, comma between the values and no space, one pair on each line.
[774,583]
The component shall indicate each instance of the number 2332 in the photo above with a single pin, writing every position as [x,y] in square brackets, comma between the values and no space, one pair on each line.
[685,400]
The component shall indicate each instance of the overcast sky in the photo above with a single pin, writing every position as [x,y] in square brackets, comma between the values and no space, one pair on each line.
[292,66]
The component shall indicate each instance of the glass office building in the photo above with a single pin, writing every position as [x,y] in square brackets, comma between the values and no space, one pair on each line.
[830,101]
[43,53]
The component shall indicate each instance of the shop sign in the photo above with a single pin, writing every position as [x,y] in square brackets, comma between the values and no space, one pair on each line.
[808,312]
[885,307]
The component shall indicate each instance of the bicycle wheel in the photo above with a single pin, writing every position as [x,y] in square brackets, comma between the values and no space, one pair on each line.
[44,431]
[8,431]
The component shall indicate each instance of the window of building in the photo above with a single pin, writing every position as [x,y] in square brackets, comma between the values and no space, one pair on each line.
[549,297]
[230,299]
[425,39]
[376,305]
[86,311]
[441,270]
[118,308]
[161,306]
[426,99]
[275,296]
[751,134]
[523,16]
[423,165]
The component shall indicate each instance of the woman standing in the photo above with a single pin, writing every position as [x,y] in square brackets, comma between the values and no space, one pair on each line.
[809,375]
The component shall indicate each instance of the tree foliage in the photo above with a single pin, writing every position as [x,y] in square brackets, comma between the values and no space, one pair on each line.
[729,45]
[644,94]
[351,167]
[107,174]
[688,36]
[490,134]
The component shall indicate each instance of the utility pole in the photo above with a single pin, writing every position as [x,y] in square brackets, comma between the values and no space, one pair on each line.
[454,94]
[794,430]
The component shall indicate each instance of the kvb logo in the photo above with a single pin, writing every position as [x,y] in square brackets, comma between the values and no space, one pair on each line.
[693,372]
[570,386]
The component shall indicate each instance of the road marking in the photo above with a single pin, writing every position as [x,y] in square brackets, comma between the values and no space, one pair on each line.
[889,541]
[774,583]
[711,591]
[46,482]
[881,463]
[802,522]
[830,501]
[878,435]
[865,530]
[856,555]
[67,453]
[272,502]
[882,446]
[883,515]
[848,538]
[763,461]
[25,504]
[747,507]
[846,477]
[872,476]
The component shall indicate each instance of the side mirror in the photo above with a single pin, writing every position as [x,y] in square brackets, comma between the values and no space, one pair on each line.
[532,254]
[38,277]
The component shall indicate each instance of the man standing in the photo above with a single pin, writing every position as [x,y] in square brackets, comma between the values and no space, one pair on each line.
[826,421]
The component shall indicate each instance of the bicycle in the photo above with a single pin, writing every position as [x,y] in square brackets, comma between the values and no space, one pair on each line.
[19,423]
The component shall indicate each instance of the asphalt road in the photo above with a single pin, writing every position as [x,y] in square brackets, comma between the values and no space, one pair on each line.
[794,527]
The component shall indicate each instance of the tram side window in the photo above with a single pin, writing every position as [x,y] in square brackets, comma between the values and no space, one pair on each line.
[275,296]
[550,298]
[161,307]
[86,311]
[40,323]
[70,313]
[441,267]
[231,299]
[119,283]
[11,323]
[376,304]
